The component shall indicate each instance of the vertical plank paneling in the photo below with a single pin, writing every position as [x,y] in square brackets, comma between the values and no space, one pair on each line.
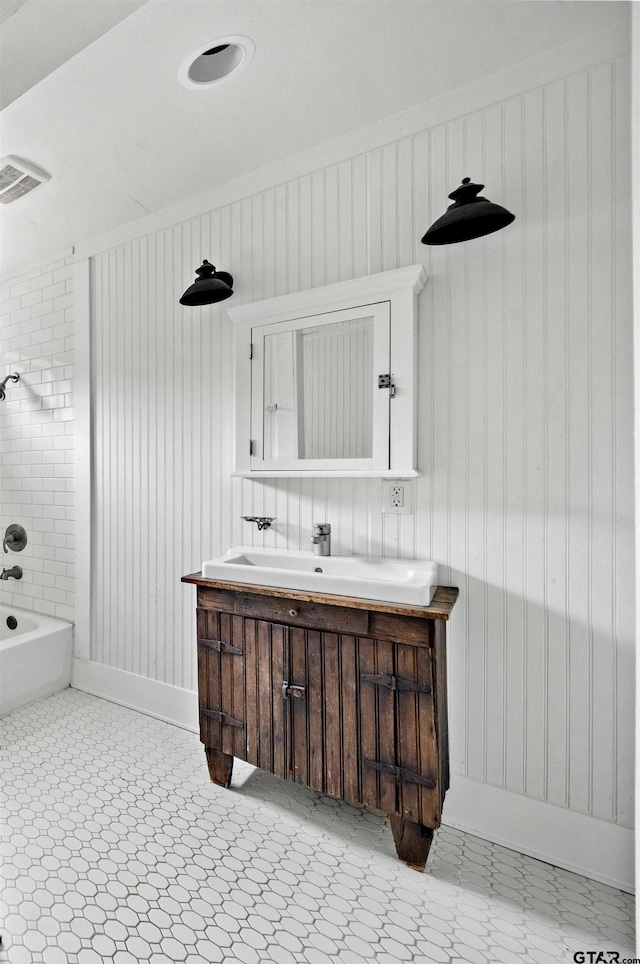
[315,710]
[556,388]
[251,663]
[536,468]
[348,718]
[367,664]
[298,676]
[265,694]
[515,458]
[494,489]
[332,716]
[623,574]
[525,430]
[280,728]
[601,462]
[579,374]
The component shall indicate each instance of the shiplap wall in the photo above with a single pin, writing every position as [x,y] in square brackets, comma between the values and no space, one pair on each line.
[525,426]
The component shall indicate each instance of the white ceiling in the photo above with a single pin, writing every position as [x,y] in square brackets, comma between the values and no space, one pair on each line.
[103,112]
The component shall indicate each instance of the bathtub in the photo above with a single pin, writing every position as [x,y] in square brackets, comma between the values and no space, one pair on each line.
[35,657]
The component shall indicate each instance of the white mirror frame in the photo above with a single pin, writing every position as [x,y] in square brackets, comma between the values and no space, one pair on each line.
[401,289]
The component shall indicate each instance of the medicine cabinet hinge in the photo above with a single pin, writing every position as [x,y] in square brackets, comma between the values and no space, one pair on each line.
[250,350]
[251,446]
[384,381]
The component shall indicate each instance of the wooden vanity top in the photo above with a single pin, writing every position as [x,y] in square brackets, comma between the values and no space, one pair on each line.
[439,608]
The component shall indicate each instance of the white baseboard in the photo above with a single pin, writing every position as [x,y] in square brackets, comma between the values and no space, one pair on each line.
[165,702]
[585,845]
[595,848]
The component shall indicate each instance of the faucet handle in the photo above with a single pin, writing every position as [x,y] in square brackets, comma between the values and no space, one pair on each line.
[15,537]
[322,528]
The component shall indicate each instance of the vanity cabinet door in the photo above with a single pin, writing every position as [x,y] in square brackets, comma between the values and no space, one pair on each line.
[416,738]
[325,753]
[363,726]
[241,667]
[221,682]
[400,769]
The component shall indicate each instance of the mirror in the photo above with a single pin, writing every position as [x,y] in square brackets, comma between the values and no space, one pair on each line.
[317,386]
[314,391]
[326,379]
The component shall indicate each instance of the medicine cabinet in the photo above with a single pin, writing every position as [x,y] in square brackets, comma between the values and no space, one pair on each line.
[325,379]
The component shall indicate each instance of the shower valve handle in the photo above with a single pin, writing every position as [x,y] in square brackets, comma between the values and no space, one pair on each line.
[15,537]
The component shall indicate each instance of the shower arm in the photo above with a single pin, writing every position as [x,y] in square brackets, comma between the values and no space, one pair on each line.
[14,377]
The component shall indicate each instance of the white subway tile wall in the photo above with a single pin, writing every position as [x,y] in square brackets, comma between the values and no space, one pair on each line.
[37,430]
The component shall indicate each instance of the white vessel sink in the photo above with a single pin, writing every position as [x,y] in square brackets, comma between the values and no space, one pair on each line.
[408,581]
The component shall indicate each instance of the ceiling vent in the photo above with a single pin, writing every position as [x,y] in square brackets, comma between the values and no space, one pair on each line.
[17,178]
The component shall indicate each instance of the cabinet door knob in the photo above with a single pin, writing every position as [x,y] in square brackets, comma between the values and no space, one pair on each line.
[293,612]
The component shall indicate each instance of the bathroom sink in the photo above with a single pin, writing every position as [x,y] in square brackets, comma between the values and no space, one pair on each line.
[408,581]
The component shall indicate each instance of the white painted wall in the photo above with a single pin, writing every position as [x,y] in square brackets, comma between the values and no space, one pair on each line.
[525,438]
[37,429]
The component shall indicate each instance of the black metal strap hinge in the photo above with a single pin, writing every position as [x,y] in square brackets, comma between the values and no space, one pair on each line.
[222,718]
[221,646]
[396,682]
[401,775]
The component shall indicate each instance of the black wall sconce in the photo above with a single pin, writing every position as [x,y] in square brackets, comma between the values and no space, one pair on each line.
[468,217]
[210,286]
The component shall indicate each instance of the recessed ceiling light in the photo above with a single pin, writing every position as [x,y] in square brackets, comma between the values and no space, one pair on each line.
[215,60]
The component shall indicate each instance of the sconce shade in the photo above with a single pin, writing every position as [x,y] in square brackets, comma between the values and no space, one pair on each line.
[210,286]
[468,217]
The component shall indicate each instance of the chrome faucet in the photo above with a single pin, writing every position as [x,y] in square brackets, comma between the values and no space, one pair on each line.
[14,573]
[321,539]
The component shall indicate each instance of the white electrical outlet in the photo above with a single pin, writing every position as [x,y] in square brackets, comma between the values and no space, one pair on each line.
[396,497]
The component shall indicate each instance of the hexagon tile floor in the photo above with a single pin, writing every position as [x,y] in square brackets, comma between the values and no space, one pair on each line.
[116,847]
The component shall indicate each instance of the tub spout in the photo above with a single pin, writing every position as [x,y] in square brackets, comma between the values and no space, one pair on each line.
[14,573]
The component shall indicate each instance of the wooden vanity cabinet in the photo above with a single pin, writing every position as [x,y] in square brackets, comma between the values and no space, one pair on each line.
[350,700]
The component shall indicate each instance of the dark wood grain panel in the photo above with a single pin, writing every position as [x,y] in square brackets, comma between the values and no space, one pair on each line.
[226,686]
[238,697]
[209,688]
[315,709]
[221,600]
[367,711]
[252,728]
[348,677]
[386,727]
[407,731]
[418,742]
[400,629]
[280,717]
[298,708]
[265,695]
[332,716]
[440,705]
[307,614]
